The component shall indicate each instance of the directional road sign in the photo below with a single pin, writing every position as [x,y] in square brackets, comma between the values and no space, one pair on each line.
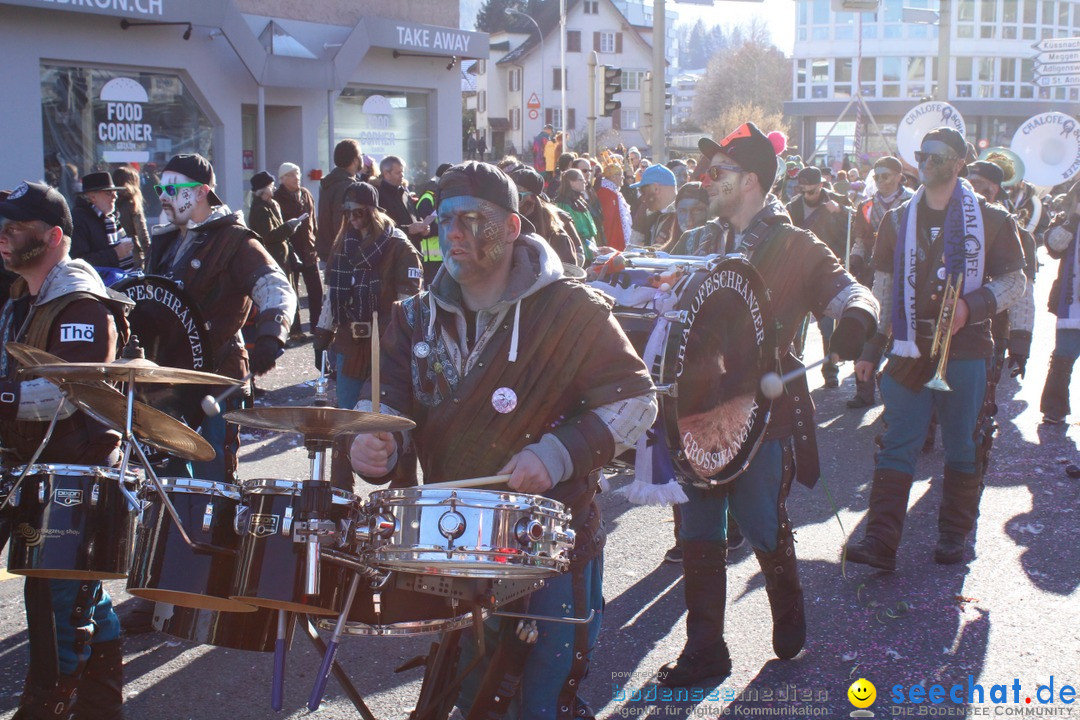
[1058,56]
[1058,80]
[1057,44]
[1058,69]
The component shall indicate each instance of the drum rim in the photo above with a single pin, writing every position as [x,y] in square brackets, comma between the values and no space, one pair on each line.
[268,486]
[534,501]
[421,556]
[112,473]
[197,486]
[355,628]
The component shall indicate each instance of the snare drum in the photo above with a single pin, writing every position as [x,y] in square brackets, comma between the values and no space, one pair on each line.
[705,329]
[72,522]
[394,611]
[271,570]
[253,631]
[469,533]
[167,569]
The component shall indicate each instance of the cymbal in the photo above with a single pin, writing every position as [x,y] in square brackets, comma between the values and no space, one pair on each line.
[139,370]
[151,426]
[318,423]
[28,355]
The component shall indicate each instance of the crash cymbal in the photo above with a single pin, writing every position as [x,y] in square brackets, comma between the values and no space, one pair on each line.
[27,355]
[150,426]
[318,423]
[142,371]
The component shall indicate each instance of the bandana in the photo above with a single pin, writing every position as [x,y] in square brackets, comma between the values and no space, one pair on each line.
[1068,307]
[965,256]
[353,279]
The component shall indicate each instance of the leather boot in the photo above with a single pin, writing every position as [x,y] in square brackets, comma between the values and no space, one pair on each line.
[705,588]
[884,522]
[54,703]
[1055,396]
[960,494]
[785,596]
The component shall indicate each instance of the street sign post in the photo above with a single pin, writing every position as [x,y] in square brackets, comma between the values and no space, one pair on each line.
[1045,81]
[1057,44]
[1058,69]
[533,103]
[1057,56]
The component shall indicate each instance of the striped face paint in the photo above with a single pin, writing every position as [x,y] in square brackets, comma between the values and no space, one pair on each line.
[472,236]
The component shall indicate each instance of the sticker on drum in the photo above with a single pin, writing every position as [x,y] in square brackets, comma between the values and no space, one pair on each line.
[715,354]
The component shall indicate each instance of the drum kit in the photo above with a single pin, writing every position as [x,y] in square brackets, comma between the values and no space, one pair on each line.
[235,565]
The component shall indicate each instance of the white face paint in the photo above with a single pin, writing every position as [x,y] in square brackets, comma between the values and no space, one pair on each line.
[179,208]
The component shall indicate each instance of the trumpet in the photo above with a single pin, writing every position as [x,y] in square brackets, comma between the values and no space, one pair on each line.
[943,332]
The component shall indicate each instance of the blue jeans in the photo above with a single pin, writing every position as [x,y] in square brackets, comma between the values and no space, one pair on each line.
[907,417]
[1067,343]
[98,617]
[549,663]
[348,388]
[754,497]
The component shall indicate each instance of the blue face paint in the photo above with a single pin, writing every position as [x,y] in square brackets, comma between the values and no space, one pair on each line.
[477,232]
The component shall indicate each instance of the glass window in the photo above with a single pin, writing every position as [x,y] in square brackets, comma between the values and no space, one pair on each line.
[965,11]
[802,34]
[965,31]
[890,69]
[1007,70]
[987,32]
[845,32]
[986,70]
[842,73]
[1008,32]
[1063,21]
[892,32]
[607,42]
[917,31]
[631,79]
[386,122]
[1011,11]
[819,72]
[573,41]
[804,7]
[628,118]
[841,91]
[963,69]
[1027,71]
[869,31]
[94,118]
[893,11]
[868,70]
[821,12]
[989,11]
[821,33]
[1048,12]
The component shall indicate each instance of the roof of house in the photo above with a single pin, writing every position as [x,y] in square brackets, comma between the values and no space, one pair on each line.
[548,21]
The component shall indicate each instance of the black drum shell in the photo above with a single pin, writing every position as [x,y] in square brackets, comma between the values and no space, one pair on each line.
[166,569]
[402,612]
[271,567]
[251,631]
[71,535]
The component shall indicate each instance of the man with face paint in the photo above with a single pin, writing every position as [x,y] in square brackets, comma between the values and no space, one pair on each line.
[59,305]
[472,361]
[691,210]
[891,193]
[946,231]
[828,217]
[224,268]
[803,276]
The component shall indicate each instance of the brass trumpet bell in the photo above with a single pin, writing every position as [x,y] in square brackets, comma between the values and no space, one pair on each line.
[943,333]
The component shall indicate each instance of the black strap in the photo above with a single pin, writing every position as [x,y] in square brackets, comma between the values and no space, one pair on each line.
[41,628]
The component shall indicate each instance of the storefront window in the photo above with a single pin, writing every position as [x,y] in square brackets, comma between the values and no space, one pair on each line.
[386,122]
[96,119]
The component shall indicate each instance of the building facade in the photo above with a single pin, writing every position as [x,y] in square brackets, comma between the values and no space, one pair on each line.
[991,69]
[248,83]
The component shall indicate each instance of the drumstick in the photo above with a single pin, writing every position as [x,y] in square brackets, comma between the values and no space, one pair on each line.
[210,404]
[375,361]
[772,385]
[474,482]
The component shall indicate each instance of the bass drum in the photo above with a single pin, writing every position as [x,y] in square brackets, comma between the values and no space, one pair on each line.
[705,329]
[172,332]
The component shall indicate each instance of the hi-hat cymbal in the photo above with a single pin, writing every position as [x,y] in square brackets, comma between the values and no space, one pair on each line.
[149,425]
[137,370]
[318,423]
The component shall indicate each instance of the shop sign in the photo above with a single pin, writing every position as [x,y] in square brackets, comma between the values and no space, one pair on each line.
[122,134]
[154,8]
[378,137]
[426,39]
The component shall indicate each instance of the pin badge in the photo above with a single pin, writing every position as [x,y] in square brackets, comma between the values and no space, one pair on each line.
[436,366]
[421,349]
[504,400]
[195,263]
[941,273]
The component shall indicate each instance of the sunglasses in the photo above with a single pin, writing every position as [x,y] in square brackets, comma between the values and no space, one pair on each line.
[934,158]
[715,170]
[809,188]
[171,190]
[884,175]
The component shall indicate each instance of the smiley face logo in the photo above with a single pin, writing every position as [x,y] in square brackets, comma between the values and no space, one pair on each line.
[862,693]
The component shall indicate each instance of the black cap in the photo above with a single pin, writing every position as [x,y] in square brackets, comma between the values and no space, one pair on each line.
[37,201]
[987,170]
[361,194]
[692,191]
[750,148]
[261,180]
[527,179]
[197,168]
[93,182]
[443,168]
[810,175]
[483,181]
[889,163]
[953,139]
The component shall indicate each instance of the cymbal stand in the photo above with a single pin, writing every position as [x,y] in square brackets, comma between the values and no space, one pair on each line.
[339,673]
[319,689]
[439,688]
[34,458]
[277,688]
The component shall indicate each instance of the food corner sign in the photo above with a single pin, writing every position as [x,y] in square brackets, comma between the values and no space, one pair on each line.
[122,134]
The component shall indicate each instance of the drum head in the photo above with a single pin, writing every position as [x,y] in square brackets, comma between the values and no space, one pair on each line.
[716,355]
[171,331]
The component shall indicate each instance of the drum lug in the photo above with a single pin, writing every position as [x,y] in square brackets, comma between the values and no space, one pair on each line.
[240,520]
[529,531]
[286,522]
[208,516]
[41,493]
[670,389]
[677,316]
[95,493]
[452,525]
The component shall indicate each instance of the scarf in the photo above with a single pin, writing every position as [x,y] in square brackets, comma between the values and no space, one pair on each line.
[882,205]
[353,278]
[1068,307]
[963,219]
[114,235]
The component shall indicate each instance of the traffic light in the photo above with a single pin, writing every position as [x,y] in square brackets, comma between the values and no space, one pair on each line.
[612,85]
[667,96]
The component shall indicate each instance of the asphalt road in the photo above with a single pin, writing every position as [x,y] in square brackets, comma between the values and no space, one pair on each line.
[1010,615]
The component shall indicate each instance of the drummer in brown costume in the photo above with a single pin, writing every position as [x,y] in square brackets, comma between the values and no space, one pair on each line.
[59,305]
[219,261]
[509,367]
[803,276]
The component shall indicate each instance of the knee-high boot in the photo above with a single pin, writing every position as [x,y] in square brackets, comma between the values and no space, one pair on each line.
[1055,396]
[785,595]
[960,494]
[884,522]
[705,588]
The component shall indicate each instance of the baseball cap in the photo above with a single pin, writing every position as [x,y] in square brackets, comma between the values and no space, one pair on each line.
[693,191]
[484,181]
[197,168]
[361,194]
[987,170]
[527,179]
[810,175]
[656,175]
[750,148]
[37,201]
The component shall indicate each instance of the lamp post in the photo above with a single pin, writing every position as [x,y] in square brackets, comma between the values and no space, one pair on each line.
[539,34]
